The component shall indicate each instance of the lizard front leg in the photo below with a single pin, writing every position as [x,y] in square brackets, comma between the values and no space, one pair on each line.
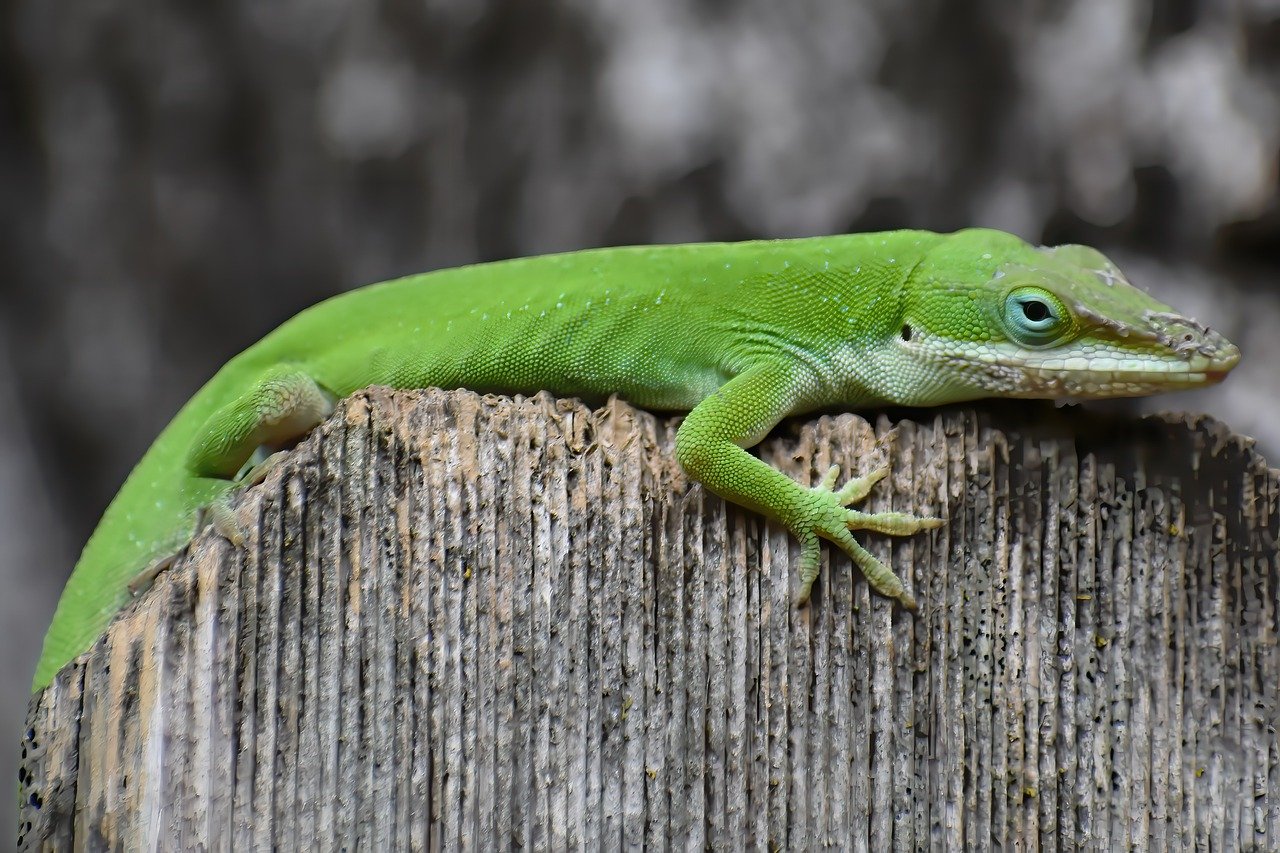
[282,405]
[710,446]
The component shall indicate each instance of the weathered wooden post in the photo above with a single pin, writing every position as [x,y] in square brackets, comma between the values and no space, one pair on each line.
[478,622]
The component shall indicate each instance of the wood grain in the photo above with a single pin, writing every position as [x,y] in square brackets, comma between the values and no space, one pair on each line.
[469,621]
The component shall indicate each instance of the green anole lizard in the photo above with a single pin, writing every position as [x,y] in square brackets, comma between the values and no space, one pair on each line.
[738,335]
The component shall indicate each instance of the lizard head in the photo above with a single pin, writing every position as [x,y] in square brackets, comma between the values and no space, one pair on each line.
[994,316]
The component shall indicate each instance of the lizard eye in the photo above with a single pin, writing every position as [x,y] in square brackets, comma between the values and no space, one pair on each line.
[1034,317]
[1034,310]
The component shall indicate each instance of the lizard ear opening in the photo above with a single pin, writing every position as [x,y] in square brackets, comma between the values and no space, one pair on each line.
[906,331]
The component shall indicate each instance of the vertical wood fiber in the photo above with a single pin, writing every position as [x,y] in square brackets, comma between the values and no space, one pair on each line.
[469,621]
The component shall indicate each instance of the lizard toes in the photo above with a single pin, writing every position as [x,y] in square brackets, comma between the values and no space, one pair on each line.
[859,487]
[224,521]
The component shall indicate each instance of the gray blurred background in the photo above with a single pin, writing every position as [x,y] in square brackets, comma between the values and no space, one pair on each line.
[179,177]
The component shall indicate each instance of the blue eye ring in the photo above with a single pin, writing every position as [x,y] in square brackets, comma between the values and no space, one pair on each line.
[1035,317]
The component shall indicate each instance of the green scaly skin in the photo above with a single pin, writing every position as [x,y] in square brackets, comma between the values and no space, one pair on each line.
[739,335]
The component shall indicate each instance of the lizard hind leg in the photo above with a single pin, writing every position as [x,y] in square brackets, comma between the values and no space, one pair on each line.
[283,405]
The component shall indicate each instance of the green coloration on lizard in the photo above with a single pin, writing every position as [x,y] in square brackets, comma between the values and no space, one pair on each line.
[740,335]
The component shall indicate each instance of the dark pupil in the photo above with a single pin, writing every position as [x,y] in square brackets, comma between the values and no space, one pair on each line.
[1035,311]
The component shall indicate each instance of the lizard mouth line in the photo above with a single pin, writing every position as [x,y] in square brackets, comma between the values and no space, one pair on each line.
[1098,373]
[1080,377]
[1101,383]
[1099,367]
[1142,377]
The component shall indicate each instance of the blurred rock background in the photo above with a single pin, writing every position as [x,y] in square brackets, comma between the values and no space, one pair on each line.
[179,177]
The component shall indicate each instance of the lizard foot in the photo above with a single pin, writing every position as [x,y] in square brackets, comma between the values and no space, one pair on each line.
[259,471]
[224,521]
[833,520]
[221,514]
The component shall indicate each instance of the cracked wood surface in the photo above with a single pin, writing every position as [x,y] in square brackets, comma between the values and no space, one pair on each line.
[470,621]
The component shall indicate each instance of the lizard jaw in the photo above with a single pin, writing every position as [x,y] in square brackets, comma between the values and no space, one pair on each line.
[1096,370]
[1182,362]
